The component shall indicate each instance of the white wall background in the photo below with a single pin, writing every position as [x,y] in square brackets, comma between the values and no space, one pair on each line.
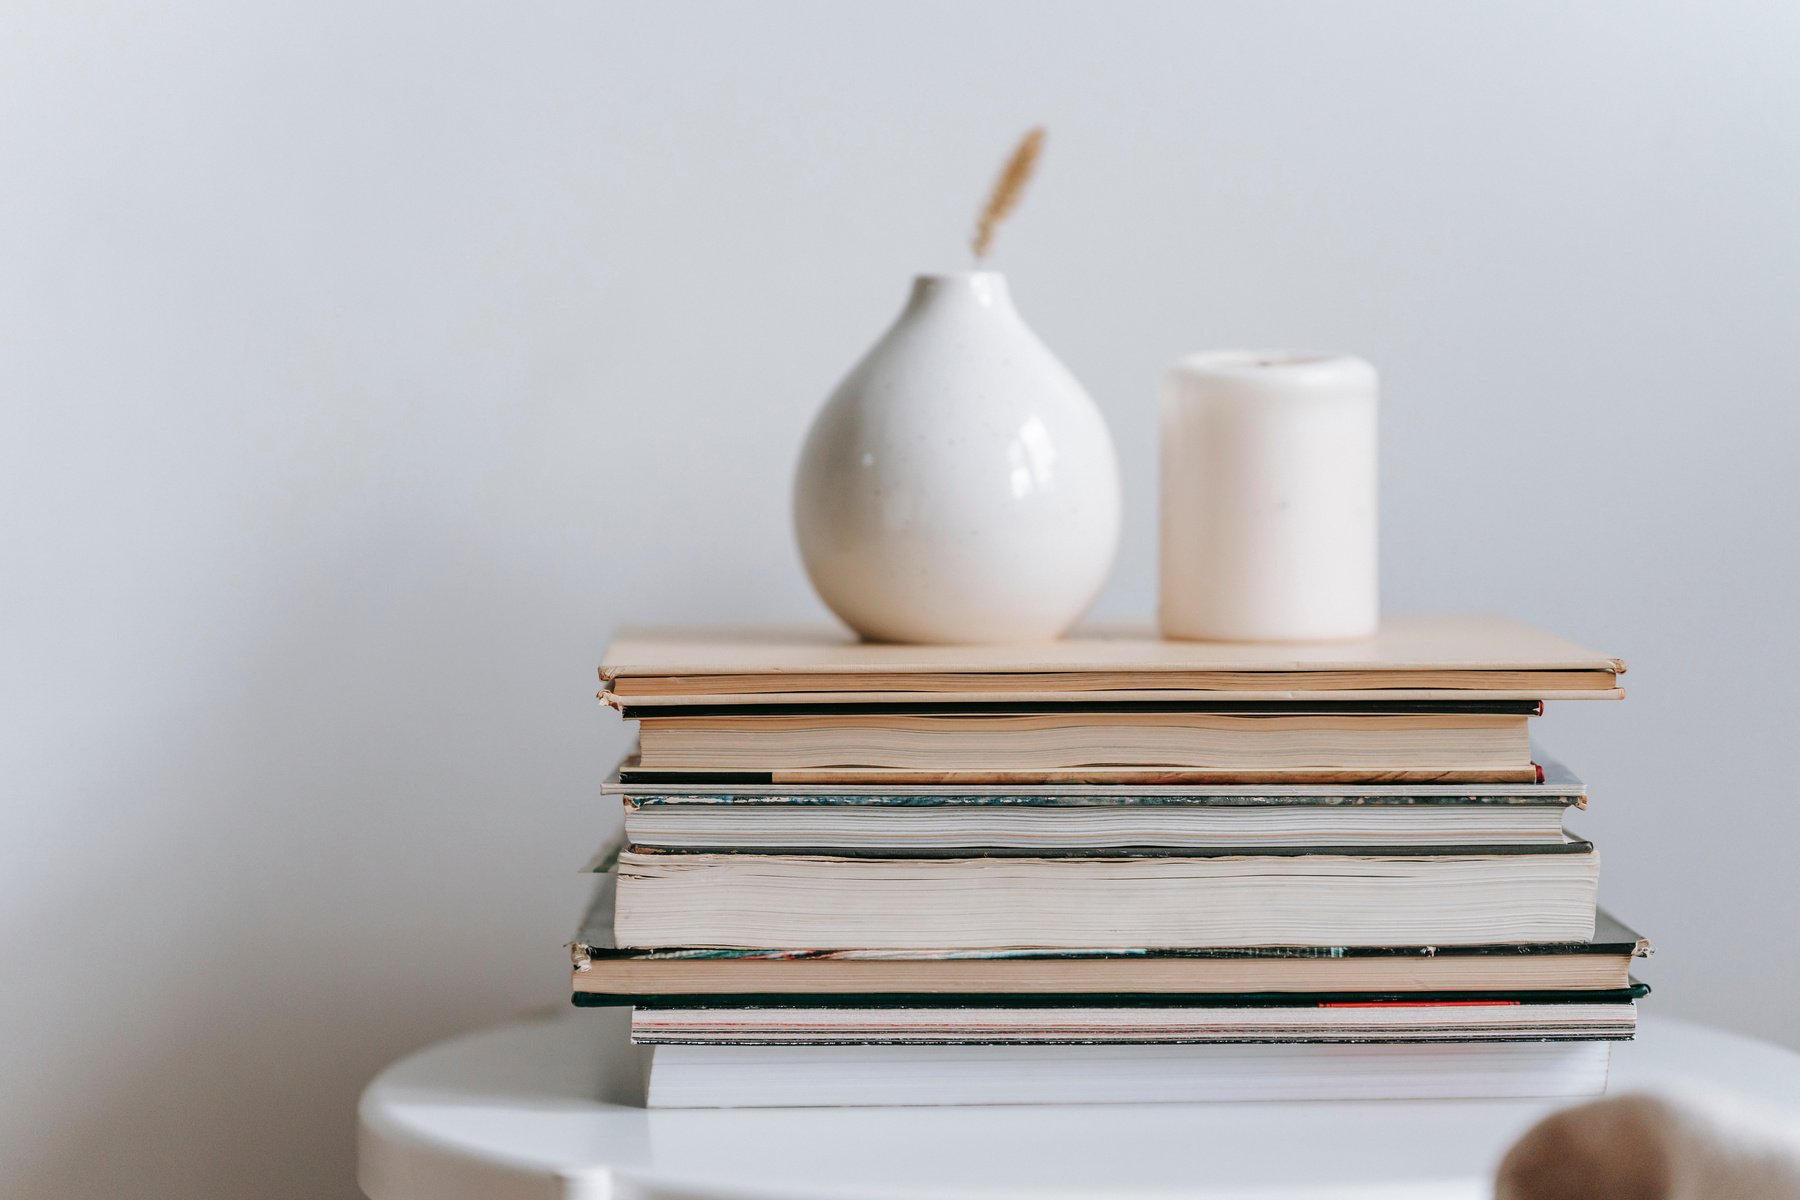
[363,365]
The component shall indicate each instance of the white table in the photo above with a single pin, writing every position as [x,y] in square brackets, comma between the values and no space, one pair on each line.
[551,1108]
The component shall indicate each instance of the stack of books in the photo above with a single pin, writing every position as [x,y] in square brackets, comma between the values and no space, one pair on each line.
[1105,869]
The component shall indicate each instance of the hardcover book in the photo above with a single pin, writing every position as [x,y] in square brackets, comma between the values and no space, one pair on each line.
[605,973]
[1472,657]
[833,818]
[1126,741]
[1581,1016]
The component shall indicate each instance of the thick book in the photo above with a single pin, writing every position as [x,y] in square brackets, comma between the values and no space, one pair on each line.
[1145,741]
[605,973]
[1471,657]
[1178,899]
[813,1076]
[832,818]
[954,1025]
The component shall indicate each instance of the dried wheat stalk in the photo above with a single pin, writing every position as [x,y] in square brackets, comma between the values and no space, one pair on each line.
[1007,190]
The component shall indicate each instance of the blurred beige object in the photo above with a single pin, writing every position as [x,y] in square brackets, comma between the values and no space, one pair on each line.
[1648,1147]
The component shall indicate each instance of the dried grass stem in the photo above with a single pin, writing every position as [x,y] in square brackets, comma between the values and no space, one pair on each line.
[1007,190]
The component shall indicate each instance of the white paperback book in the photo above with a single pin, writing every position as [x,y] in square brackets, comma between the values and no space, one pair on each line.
[851,1076]
[1190,899]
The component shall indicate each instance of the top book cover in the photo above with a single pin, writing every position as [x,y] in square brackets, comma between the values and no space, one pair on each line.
[1489,658]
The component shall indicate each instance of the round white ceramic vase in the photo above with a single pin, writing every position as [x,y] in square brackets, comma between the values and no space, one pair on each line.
[959,486]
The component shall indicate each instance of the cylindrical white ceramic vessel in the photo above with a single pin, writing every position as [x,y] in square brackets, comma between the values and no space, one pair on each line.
[1269,516]
[960,485]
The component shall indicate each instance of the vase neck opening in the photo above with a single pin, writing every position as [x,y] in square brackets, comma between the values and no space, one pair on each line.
[980,289]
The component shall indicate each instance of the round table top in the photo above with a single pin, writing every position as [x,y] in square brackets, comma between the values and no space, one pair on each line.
[553,1108]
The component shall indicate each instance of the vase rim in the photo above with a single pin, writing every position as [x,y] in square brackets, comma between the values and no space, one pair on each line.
[984,289]
[962,276]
